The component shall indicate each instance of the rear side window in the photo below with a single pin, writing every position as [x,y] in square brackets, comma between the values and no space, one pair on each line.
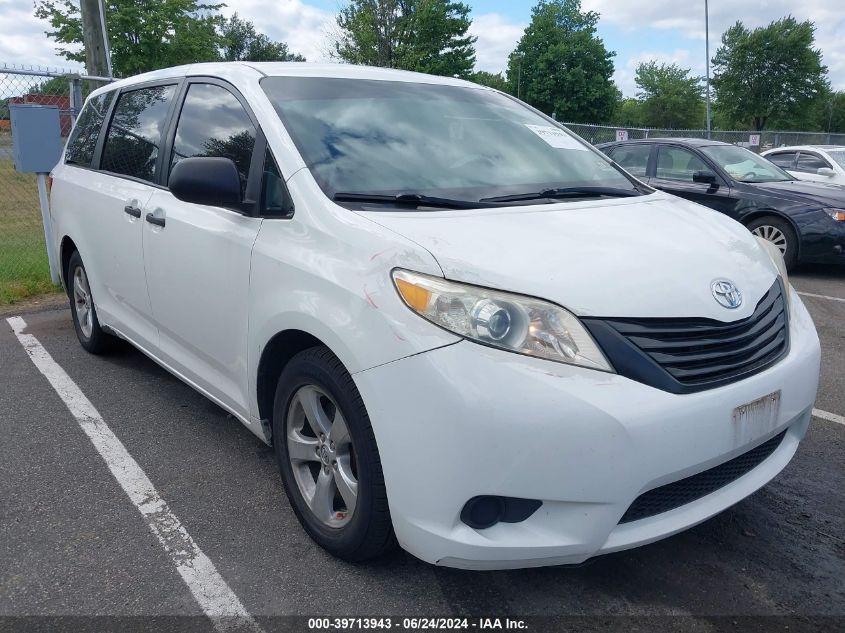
[133,141]
[633,158]
[83,139]
[214,123]
[810,163]
[783,159]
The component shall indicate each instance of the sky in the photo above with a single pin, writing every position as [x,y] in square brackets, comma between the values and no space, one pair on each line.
[637,30]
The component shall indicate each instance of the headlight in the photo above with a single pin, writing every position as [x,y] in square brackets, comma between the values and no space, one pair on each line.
[500,319]
[836,214]
[777,258]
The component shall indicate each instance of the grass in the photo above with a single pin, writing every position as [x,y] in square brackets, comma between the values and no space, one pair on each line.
[24,271]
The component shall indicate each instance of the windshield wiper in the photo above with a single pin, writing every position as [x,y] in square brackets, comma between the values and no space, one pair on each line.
[567,192]
[410,199]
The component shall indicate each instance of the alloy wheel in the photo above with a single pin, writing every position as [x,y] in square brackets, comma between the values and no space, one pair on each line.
[82,303]
[322,456]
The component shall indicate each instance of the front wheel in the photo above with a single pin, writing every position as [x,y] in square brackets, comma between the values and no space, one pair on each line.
[780,233]
[91,336]
[328,457]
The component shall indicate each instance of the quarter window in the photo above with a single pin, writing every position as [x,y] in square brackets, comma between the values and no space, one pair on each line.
[275,199]
[134,139]
[783,159]
[83,139]
[810,163]
[633,158]
[214,123]
[676,163]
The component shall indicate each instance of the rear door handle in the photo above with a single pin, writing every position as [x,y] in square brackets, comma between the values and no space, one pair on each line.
[135,212]
[154,220]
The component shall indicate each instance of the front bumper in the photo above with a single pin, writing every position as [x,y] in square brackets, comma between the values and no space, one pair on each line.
[822,240]
[466,420]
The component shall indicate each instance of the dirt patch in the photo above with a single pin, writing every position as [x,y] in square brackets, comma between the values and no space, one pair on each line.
[52,301]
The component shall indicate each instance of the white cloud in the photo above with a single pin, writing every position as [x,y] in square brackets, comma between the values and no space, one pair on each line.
[22,38]
[827,15]
[497,37]
[306,29]
[303,27]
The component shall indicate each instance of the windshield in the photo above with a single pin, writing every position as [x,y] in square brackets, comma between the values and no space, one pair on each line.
[450,142]
[838,155]
[744,165]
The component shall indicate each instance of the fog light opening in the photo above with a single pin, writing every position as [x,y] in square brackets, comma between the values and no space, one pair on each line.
[483,512]
[486,511]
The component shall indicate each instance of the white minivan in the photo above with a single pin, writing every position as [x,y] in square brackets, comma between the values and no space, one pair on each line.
[461,327]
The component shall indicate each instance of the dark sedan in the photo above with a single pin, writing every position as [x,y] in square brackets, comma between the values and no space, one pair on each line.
[805,220]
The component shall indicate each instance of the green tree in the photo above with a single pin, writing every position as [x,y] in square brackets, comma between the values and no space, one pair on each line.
[770,73]
[560,65]
[428,36]
[628,113]
[54,86]
[830,113]
[143,34]
[670,97]
[491,80]
[241,42]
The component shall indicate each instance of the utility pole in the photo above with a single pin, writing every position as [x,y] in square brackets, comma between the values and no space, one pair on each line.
[707,53]
[519,74]
[95,39]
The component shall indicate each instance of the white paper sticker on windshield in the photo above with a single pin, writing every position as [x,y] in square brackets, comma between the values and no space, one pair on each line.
[555,137]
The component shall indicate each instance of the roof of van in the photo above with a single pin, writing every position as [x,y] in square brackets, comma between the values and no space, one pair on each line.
[289,69]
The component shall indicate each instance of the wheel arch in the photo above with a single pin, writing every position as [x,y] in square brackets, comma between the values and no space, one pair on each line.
[66,249]
[275,356]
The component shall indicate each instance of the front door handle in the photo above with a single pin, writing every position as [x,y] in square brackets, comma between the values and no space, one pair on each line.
[154,220]
[135,212]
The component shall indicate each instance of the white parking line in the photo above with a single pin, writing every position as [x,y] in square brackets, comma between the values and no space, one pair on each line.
[214,596]
[830,417]
[810,294]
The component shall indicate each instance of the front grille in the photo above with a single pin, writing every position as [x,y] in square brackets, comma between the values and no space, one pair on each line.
[696,353]
[681,492]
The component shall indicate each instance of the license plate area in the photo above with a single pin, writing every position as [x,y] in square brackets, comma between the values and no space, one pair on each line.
[756,418]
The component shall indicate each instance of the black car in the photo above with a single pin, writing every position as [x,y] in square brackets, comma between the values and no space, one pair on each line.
[806,220]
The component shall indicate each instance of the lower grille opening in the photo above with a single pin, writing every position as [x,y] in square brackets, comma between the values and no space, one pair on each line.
[684,491]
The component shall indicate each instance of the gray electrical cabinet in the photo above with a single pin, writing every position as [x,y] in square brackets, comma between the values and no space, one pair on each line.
[36,137]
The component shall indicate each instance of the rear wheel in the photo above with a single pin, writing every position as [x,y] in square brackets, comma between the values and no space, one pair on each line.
[328,457]
[91,336]
[780,233]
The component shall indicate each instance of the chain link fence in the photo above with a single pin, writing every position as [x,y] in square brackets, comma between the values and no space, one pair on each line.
[755,141]
[24,270]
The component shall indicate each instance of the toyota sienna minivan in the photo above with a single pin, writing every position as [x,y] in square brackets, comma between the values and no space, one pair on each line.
[461,327]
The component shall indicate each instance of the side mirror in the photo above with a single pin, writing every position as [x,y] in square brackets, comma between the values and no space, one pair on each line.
[826,171]
[707,177]
[207,180]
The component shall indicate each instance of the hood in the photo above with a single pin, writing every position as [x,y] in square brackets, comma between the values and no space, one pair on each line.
[650,256]
[815,194]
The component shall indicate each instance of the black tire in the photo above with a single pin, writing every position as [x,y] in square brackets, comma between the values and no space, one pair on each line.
[369,531]
[97,341]
[760,226]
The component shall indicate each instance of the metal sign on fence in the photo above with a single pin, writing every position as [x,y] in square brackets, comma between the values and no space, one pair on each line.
[621,135]
[754,140]
[36,147]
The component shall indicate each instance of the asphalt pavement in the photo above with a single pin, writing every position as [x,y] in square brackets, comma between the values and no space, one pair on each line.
[73,544]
